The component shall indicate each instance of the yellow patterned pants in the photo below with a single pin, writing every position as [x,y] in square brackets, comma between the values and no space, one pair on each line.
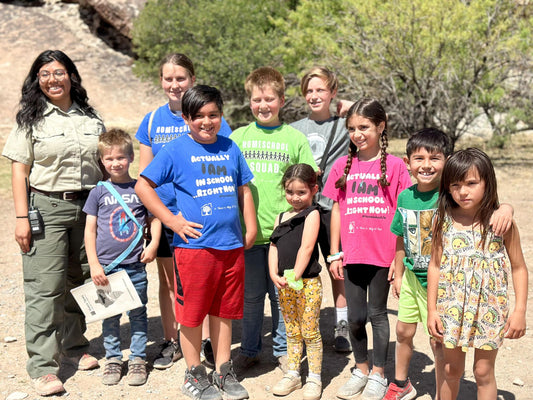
[301,313]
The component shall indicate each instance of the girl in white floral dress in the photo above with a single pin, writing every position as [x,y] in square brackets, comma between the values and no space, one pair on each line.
[468,304]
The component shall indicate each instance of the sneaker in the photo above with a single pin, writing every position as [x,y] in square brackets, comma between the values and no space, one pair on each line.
[312,389]
[112,371]
[288,384]
[283,363]
[47,385]
[355,385]
[342,338]
[169,354]
[226,381]
[394,392]
[197,386]
[242,363]
[137,372]
[83,362]
[375,388]
[207,353]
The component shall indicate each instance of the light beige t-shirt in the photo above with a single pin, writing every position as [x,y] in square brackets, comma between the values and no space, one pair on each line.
[62,150]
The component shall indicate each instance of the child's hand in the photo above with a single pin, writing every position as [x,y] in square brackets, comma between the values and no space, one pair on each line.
[185,228]
[502,219]
[98,275]
[396,286]
[343,106]
[515,327]
[280,281]
[249,240]
[149,253]
[337,270]
[435,327]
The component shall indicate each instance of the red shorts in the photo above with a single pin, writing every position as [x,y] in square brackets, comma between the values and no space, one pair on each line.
[208,281]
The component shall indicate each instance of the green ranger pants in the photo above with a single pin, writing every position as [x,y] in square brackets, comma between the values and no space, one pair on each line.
[56,263]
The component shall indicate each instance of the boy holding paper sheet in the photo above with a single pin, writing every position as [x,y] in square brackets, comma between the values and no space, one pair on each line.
[113,241]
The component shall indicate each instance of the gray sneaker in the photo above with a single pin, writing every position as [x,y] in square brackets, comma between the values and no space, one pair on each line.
[197,386]
[137,372]
[375,388]
[355,385]
[226,381]
[342,337]
[112,371]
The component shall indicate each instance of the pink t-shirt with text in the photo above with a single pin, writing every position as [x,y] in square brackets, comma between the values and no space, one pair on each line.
[367,209]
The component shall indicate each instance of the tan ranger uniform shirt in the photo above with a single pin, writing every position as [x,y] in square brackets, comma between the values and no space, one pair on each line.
[62,150]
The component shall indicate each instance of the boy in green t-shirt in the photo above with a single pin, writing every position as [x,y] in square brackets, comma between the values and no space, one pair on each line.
[269,147]
[427,151]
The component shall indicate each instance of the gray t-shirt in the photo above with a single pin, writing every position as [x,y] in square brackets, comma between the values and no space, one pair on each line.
[115,230]
[317,133]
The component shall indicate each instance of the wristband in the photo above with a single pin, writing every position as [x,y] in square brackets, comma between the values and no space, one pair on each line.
[22,216]
[335,257]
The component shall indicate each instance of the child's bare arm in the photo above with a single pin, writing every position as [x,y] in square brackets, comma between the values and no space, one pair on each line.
[97,272]
[145,190]
[335,267]
[435,327]
[279,281]
[309,238]
[502,219]
[149,253]
[399,267]
[246,204]
[516,324]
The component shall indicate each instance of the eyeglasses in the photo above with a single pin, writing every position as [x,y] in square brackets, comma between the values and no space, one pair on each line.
[59,75]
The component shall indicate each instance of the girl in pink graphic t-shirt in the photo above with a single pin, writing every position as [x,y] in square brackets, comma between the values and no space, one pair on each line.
[364,186]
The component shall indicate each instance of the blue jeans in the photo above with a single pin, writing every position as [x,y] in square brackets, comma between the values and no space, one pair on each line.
[138,317]
[257,284]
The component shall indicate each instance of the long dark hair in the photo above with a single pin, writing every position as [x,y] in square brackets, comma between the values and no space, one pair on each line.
[374,111]
[455,170]
[33,101]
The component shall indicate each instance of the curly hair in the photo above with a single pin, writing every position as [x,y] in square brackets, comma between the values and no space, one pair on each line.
[33,101]
[374,111]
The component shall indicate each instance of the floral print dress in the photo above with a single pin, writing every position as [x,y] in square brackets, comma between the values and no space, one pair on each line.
[472,298]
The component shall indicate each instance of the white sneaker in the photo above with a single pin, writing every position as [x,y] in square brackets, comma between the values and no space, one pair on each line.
[354,386]
[375,388]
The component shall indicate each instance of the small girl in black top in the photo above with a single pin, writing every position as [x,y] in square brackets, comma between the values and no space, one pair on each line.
[294,269]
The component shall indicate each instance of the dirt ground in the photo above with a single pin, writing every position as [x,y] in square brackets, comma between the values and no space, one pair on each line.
[513,362]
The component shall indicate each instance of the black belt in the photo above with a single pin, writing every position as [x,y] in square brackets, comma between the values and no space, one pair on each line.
[69,196]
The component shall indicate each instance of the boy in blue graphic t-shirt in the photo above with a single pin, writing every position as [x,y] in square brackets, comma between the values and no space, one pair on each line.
[109,232]
[210,176]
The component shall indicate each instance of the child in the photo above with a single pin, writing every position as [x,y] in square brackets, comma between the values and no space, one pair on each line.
[294,248]
[328,140]
[108,234]
[269,147]
[468,274]
[164,124]
[210,178]
[427,151]
[364,187]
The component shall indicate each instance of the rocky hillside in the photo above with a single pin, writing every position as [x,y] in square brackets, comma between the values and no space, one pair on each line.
[120,97]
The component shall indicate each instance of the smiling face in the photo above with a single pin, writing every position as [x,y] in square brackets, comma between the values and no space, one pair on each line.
[299,195]
[56,89]
[116,162]
[205,124]
[265,104]
[365,135]
[318,97]
[175,80]
[426,167]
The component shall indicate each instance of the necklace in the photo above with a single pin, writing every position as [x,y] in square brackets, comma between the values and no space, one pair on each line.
[362,176]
